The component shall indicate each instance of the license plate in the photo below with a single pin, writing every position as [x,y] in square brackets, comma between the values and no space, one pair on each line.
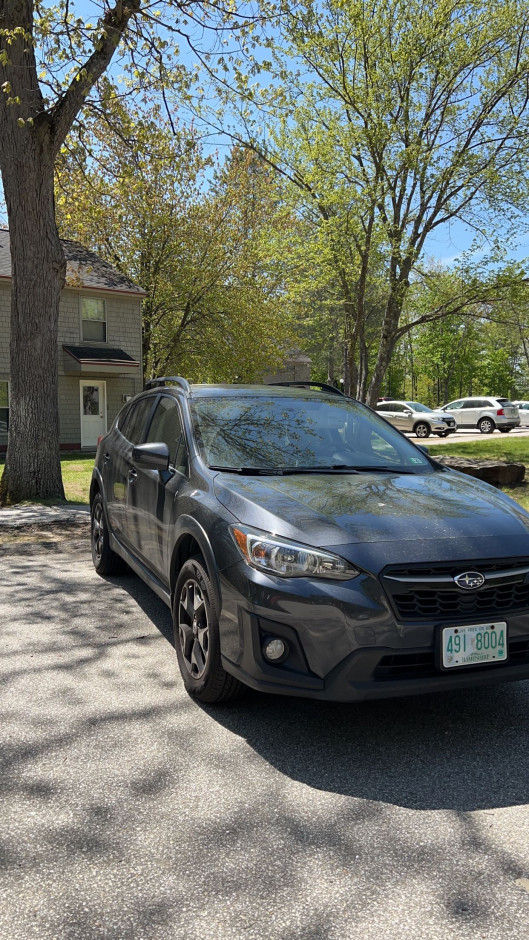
[474,644]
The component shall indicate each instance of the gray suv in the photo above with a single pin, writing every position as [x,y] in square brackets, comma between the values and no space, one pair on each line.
[307,548]
[414,418]
[485,414]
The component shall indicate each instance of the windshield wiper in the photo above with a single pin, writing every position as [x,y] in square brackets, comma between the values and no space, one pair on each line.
[289,471]
[250,471]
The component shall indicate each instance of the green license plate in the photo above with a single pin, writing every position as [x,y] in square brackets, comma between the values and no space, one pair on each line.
[474,644]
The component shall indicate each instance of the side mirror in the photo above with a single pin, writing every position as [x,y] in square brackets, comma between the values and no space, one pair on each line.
[151,456]
[407,412]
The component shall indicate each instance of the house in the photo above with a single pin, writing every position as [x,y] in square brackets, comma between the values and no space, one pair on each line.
[100,344]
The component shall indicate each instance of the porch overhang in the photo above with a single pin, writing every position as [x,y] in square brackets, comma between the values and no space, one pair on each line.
[99,360]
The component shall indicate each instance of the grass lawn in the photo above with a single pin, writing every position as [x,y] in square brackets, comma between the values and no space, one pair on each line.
[501,447]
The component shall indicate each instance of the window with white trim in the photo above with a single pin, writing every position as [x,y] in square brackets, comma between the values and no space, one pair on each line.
[4,407]
[93,320]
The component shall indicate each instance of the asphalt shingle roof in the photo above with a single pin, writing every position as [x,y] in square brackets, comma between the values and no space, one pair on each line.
[83,268]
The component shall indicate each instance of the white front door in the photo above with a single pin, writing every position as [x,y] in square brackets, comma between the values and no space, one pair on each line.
[93,412]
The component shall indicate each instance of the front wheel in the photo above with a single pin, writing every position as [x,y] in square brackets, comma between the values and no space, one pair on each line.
[422,429]
[197,637]
[486,425]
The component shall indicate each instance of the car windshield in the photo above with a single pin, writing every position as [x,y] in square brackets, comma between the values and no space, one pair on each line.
[275,433]
[416,406]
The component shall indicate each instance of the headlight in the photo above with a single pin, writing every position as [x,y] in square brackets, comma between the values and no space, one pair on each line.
[289,559]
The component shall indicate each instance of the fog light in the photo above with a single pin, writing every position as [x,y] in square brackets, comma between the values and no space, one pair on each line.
[274,649]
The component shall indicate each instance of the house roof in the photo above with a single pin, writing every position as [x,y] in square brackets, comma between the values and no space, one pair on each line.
[83,268]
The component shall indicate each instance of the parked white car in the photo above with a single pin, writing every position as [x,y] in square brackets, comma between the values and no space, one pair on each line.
[523,408]
[485,414]
[415,418]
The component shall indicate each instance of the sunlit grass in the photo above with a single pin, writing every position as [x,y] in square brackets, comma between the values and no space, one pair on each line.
[76,475]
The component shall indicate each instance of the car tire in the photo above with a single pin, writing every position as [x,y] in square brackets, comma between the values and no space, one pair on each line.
[486,426]
[504,430]
[105,560]
[422,429]
[197,637]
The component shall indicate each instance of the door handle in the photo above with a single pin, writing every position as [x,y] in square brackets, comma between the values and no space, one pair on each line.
[133,473]
[106,457]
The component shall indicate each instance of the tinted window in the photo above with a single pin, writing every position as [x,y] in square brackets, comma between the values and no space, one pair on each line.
[166,426]
[504,402]
[386,406]
[134,423]
[266,432]
[454,404]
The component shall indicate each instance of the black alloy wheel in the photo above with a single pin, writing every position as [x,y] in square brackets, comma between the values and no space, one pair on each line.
[105,560]
[197,637]
[422,429]
[486,425]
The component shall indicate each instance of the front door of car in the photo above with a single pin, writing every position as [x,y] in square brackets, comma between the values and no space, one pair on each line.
[402,417]
[118,471]
[156,492]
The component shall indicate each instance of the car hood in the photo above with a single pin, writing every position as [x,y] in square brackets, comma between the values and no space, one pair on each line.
[340,509]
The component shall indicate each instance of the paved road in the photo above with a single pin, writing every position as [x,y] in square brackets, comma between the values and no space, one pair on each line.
[130,813]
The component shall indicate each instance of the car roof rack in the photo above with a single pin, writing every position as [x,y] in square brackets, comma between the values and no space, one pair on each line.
[322,386]
[167,380]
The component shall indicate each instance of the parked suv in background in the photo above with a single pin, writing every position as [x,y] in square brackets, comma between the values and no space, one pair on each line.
[305,547]
[414,418]
[523,410]
[486,414]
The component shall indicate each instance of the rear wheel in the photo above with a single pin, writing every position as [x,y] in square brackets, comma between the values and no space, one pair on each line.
[486,425]
[197,637]
[105,560]
[422,429]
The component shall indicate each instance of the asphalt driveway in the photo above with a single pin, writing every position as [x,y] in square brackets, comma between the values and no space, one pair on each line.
[131,813]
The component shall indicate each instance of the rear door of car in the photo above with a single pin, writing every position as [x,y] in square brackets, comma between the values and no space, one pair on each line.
[393,412]
[471,411]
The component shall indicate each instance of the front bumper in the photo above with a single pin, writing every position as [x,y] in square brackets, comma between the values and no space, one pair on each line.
[344,642]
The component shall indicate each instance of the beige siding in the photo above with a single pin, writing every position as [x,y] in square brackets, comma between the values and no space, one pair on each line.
[123,314]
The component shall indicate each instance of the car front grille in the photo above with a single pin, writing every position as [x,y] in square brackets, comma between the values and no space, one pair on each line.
[421,663]
[428,592]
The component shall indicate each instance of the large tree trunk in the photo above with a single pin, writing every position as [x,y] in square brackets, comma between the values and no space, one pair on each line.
[38,271]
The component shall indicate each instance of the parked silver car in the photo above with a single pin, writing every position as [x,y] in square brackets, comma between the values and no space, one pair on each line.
[523,409]
[414,418]
[486,414]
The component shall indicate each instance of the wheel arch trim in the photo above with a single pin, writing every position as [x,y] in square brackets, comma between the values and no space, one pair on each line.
[189,527]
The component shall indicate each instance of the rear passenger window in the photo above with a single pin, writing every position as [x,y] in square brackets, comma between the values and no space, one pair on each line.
[134,423]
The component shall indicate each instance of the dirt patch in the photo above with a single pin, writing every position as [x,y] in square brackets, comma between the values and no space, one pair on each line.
[27,540]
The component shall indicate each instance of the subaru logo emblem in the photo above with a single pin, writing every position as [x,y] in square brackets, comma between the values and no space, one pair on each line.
[469,580]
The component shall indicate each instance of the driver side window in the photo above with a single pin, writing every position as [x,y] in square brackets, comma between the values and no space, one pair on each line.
[166,426]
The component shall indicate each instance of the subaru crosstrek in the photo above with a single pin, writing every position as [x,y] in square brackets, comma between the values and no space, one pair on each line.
[306,547]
